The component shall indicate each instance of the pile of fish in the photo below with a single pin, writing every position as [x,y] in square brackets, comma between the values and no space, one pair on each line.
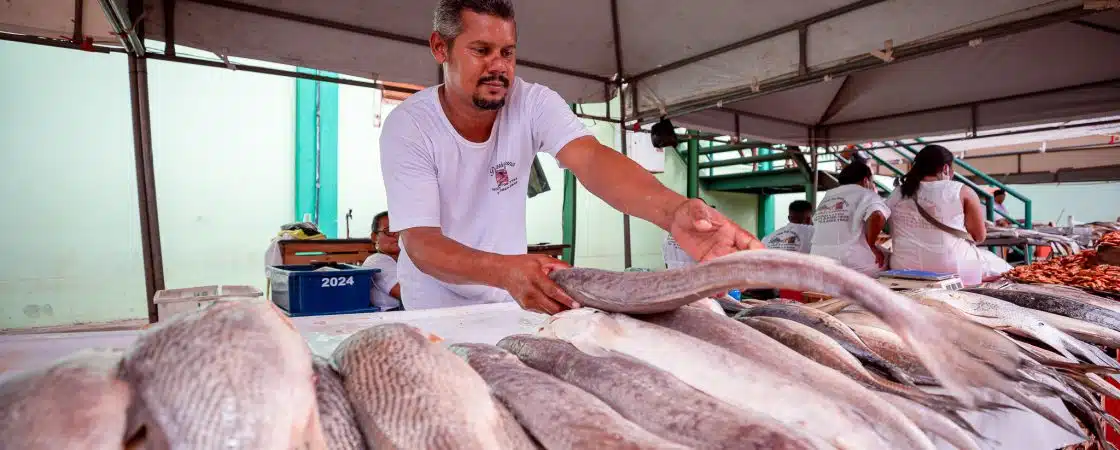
[644,364]
[1063,244]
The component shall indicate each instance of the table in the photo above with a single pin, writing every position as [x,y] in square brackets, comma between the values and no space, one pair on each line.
[553,250]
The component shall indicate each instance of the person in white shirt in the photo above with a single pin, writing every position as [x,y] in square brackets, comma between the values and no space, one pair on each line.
[456,160]
[675,257]
[797,236]
[848,221]
[918,243]
[386,290]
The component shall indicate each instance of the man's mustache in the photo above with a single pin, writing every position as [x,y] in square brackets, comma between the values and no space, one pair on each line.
[491,78]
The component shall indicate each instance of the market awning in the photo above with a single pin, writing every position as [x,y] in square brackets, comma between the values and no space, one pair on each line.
[852,70]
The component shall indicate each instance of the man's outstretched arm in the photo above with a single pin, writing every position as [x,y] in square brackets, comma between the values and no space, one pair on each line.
[700,230]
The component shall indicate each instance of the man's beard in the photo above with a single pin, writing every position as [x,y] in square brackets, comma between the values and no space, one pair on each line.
[491,105]
[488,105]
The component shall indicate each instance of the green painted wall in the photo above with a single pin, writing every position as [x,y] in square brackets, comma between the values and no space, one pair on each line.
[316,152]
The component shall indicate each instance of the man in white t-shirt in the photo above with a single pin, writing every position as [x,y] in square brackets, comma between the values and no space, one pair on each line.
[456,161]
[798,235]
[386,290]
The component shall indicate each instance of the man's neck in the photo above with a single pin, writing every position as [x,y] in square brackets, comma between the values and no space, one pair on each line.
[471,123]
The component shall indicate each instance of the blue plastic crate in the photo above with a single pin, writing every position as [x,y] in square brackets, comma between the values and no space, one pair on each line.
[300,290]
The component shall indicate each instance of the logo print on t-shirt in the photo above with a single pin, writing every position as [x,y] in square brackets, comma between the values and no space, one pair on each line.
[833,210]
[502,179]
[786,240]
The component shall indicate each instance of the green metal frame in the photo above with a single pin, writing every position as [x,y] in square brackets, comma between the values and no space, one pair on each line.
[754,180]
[316,153]
[693,185]
[569,213]
[765,224]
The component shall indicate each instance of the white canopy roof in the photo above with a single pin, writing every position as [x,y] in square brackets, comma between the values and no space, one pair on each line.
[777,68]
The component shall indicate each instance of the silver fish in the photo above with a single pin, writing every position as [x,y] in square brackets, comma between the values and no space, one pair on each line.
[998,314]
[77,402]
[891,347]
[233,375]
[1062,306]
[1067,292]
[409,392]
[753,384]
[336,414]
[1085,331]
[557,414]
[962,355]
[833,328]
[934,422]
[654,399]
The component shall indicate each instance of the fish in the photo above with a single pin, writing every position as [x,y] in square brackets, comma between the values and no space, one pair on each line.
[999,314]
[965,357]
[1067,292]
[654,399]
[833,328]
[822,349]
[336,414]
[1080,329]
[932,421]
[1062,306]
[856,316]
[777,382]
[730,305]
[709,304]
[891,347]
[235,374]
[557,414]
[76,402]
[410,392]
[830,306]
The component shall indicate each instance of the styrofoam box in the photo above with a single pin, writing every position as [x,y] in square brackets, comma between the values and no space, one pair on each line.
[172,302]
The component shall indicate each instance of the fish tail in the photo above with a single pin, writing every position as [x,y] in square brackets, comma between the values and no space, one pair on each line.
[1043,411]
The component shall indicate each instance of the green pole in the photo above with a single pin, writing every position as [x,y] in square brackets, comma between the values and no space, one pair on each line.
[765,224]
[693,186]
[316,155]
[569,213]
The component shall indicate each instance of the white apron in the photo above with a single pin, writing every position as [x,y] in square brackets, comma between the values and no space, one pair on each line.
[919,245]
[839,224]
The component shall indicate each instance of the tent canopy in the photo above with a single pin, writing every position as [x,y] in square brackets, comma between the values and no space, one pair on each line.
[842,70]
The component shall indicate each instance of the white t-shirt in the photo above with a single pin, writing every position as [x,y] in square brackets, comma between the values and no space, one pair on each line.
[918,244]
[383,281]
[474,192]
[794,237]
[839,226]
[673,254]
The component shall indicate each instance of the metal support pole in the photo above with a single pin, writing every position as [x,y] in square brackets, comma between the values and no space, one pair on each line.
[627,258]
[571,187]
[692,189]
[145,182]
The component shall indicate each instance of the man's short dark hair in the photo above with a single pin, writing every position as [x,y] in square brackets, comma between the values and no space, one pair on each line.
[999,192]
[854,173]
[448,20]
[377,218]
[800,207]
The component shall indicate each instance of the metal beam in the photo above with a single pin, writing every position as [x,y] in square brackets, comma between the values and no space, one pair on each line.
[866,62]
[145,182]
[754,180]
[626,253]
[1089,174]
[1010,133]
[169,27]
[760,116]
[757,38]
[834,105]
[746,160]
[733,147]
[803,50]
[1097,26]
[325,23]
[79,16]
[282,73]
[1076,87]
[123,25]
[49,42]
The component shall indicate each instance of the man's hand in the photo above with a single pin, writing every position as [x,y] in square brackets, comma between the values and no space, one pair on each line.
[705,234]
[526,279]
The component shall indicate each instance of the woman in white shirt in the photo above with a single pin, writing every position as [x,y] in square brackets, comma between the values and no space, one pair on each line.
[921,244]
[848,221]
[386,291]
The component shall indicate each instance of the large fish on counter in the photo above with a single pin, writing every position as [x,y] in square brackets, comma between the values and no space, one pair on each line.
[833,328]
[77,402]
[655,399]
[960,354]
[1054,304]
[233,375]
[753,384]
[557,414]
[336,414]
[411,393]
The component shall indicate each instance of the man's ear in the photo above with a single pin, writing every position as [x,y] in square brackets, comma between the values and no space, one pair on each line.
[439,47]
